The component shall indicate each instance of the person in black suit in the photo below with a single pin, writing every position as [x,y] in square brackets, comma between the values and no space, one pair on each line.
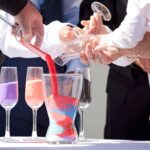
[21,114]
[128,92]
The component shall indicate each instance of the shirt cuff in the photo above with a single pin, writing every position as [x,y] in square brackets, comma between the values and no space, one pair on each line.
[123,61]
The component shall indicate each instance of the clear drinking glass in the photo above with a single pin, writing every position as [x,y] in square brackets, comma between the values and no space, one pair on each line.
[62,108]
[9,94]
[34,95]
[71,49]
[85,99]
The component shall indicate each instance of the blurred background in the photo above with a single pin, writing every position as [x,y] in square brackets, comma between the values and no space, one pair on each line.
[94,115]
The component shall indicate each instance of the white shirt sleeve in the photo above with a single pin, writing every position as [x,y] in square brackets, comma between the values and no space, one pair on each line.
[12,48]
[123,61]
[132,29]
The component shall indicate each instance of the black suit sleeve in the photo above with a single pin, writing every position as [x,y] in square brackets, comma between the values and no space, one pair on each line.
[12,6]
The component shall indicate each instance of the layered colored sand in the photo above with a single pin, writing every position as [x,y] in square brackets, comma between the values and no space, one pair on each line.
[34,93]
[61,111]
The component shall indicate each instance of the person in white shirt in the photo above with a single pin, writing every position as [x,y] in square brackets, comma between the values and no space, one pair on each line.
[130,32]
[128,94]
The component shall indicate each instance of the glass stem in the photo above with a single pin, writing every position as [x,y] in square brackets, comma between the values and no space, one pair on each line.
[7,132]
[34,131]
[81,133]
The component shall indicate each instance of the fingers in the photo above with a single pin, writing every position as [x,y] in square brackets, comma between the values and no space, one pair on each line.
[68,33]
[39,35]
[85,23]
[84,58]
[144,64]
[26,30]
[105,59]
[94,25]
[30,22]
[98,23]
[89,53]
[87,56]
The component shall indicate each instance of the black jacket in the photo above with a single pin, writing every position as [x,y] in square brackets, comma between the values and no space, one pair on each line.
[12,6]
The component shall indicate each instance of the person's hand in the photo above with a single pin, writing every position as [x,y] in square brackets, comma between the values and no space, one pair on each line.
[143,47]
[31,24]
[66,33]
[100,57]
[94,25]
[144,64]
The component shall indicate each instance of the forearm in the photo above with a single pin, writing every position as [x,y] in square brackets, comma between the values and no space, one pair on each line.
[12,6]
[141,50]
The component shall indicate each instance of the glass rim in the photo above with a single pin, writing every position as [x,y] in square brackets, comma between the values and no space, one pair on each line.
[8,67]
[62,74]
[34,67]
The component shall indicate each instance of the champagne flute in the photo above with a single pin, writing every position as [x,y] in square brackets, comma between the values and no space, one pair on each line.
[9,94]
[85,98]
[34,95]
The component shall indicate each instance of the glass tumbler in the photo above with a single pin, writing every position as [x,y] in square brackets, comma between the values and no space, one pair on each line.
[62,108]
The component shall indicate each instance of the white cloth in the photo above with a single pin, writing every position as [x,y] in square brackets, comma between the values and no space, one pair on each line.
[134,26]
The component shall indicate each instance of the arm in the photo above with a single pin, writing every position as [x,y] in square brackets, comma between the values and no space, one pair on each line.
[28,18]
[12,6]
[132,28]
[12,48]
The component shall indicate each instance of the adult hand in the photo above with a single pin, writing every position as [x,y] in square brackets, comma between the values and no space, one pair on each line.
[89,55]
[99,57]
[66,33]
[31,24]
[144,64]
[94,25]
[143,47]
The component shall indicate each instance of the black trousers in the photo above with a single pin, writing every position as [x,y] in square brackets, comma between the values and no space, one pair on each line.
[128,105]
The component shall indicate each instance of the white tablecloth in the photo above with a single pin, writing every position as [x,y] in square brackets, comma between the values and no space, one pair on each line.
[89,145]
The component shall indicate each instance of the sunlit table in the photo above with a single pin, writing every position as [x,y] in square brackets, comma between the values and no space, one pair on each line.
[91,144]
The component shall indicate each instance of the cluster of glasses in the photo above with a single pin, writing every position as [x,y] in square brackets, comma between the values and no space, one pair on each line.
[34,94]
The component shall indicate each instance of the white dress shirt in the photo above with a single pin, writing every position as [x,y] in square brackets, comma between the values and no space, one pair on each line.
[132,29]
[134,26]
